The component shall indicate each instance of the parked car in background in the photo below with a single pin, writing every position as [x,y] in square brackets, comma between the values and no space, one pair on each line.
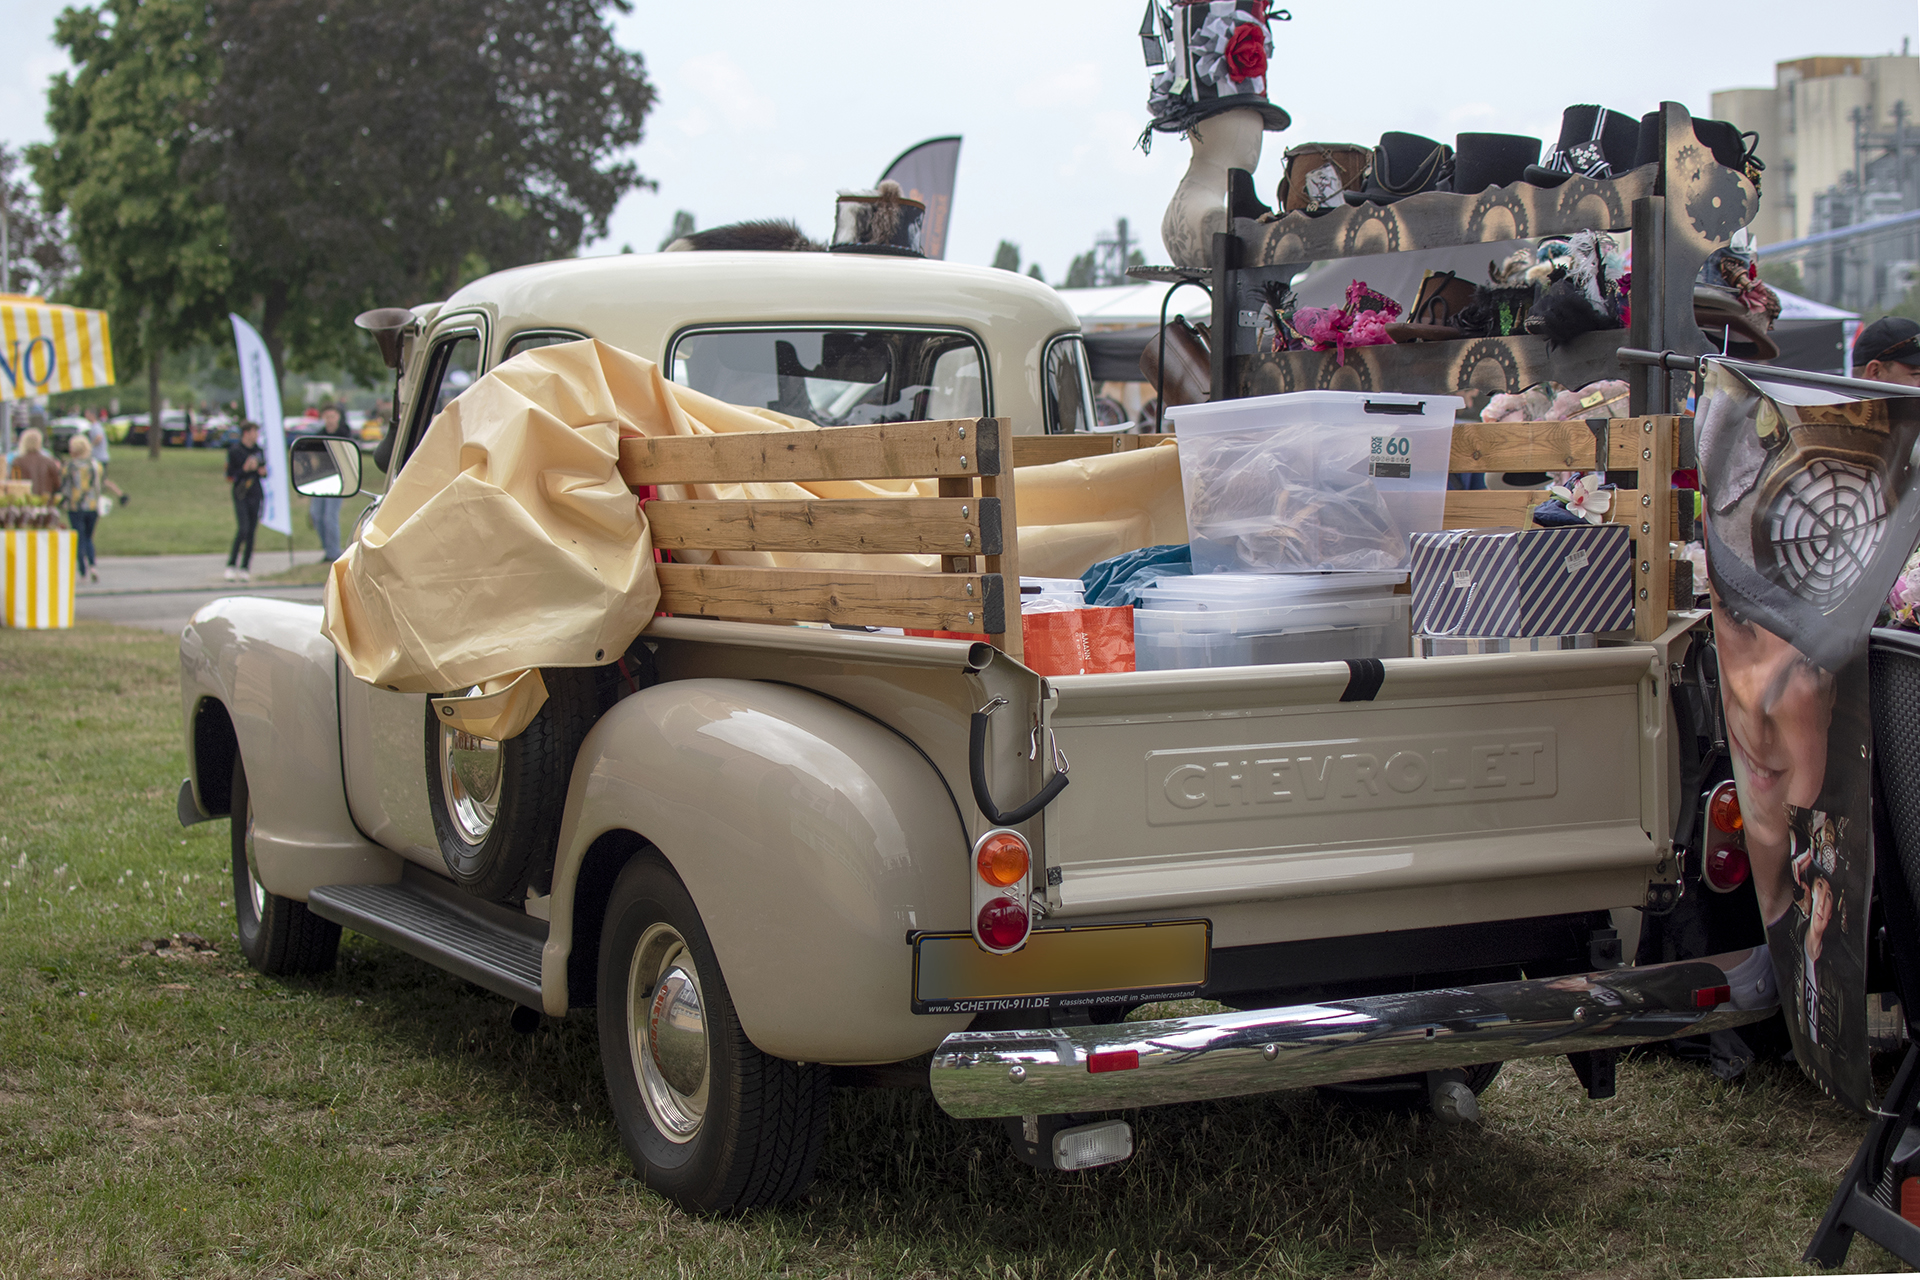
[128,428]
[61,430]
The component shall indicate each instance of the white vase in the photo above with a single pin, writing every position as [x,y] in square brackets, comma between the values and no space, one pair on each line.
[1230,140]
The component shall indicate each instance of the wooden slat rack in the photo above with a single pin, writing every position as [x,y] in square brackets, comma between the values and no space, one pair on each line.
[969,526]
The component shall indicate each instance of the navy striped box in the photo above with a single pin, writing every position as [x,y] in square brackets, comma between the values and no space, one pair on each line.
[1540,582]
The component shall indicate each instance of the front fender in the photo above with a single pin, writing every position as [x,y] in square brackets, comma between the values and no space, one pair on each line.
[811,838]
[267,665]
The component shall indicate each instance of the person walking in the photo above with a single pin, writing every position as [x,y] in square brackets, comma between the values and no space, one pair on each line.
[82,484]
[35,465]
[246,469]
[324,513]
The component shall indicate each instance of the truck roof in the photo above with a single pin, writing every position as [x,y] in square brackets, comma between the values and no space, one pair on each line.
[638,302]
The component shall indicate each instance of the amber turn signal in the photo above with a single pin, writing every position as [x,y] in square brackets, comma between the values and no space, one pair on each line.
[1002,859]
[1724,809]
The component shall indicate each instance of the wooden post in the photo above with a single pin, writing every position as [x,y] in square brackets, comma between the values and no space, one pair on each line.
[1000,485]
[1226,260]
[1652,568]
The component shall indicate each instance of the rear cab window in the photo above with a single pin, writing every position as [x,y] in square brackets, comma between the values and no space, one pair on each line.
[835,375]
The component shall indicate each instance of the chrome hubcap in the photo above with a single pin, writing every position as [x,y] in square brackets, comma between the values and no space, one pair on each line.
[470,780]
[256,893]
[667,1032]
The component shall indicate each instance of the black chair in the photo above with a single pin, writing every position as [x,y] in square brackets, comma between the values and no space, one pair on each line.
[1868,1196]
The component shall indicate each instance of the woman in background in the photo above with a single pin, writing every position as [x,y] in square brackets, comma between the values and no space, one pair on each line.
[82,481]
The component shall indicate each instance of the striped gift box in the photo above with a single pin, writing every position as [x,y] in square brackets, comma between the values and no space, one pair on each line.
[36,577]
[1540,582]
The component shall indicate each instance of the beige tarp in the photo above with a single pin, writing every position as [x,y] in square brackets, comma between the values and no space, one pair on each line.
[511,541]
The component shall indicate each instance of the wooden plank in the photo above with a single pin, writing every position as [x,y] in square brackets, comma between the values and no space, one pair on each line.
[884,451]
[1038,451]
[1439,219]
[1542,446]
[1005,567]
[1486,508]
[923,526]
[931,601]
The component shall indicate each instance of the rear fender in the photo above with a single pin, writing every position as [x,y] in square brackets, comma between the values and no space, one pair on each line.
[811,838]
[259,675]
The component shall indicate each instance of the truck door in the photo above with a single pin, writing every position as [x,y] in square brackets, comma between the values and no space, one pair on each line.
[383,734]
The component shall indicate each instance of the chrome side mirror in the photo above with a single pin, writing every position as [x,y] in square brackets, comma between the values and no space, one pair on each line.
[325,466]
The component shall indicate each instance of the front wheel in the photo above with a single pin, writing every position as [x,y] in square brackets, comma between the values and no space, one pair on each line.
[708,1120]
[277,935]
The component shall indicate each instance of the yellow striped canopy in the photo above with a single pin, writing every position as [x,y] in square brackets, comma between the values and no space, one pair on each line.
[46,348]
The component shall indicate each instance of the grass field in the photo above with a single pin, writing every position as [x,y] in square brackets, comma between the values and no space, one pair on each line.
[181,504]
[165,1116]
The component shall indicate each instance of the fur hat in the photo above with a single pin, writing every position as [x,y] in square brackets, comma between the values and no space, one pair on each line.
[886,221]
[1212,57]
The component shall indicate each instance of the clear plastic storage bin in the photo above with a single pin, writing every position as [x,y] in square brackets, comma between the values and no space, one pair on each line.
[1354,622]
[1313,480]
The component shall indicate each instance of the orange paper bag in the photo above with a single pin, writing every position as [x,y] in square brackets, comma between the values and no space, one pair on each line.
[1078,642]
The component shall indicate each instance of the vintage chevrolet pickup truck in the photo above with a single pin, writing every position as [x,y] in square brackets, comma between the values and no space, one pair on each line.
[774,857]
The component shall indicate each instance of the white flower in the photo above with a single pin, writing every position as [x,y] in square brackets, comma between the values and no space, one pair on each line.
[1585,498]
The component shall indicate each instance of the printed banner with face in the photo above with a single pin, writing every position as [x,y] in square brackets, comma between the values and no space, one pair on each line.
[1811,511]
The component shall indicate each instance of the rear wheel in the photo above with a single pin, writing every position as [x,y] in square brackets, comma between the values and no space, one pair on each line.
[708,1120]
[277,935]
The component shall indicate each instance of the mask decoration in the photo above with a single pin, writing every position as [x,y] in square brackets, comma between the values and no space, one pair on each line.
[1812,510]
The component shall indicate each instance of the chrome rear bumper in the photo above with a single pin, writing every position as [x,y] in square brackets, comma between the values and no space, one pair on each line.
[1141,1064]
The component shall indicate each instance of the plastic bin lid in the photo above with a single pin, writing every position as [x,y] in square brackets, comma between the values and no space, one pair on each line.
[1259,590]
[1296,406]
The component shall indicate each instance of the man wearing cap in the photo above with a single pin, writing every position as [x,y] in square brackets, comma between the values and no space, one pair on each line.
[1888,350]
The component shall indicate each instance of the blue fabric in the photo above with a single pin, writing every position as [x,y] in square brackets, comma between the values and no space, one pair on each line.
[1553,514]
[1120,581]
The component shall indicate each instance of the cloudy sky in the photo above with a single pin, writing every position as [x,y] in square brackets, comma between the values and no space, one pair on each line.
[768,110]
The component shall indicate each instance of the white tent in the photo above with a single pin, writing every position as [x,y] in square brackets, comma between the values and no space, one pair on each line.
[1121,305]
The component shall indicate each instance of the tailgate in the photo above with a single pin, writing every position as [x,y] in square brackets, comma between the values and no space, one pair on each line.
[1536,777]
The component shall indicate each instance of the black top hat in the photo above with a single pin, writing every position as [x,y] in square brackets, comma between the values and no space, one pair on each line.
[1893,338]
[1482,160]
[1212,58]
[1405,164]
[1594,143]
[884,221]
[1729,146]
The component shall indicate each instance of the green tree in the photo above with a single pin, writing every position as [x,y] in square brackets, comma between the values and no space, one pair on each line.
[1080,272]
[682,226]
[1007,256]
[374,152]
[152,249]
[1783,275]
[1034,271]
[39,258]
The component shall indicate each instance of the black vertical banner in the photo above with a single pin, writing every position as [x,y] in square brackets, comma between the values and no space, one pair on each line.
[926,173]
[1811,512]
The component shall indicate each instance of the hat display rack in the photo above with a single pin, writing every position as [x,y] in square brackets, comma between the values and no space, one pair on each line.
[1673,211]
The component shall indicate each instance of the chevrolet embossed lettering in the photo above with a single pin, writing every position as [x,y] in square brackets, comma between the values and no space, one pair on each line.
[1225,783]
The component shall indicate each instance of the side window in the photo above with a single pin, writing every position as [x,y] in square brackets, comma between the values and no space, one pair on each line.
[451,369]
[536,339]
[1067,390]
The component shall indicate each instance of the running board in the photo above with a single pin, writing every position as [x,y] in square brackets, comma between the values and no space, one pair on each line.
[486,944]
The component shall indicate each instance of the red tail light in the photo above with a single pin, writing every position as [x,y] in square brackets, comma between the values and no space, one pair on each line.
[1725,868]
[1113,1060]
[1002,924]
